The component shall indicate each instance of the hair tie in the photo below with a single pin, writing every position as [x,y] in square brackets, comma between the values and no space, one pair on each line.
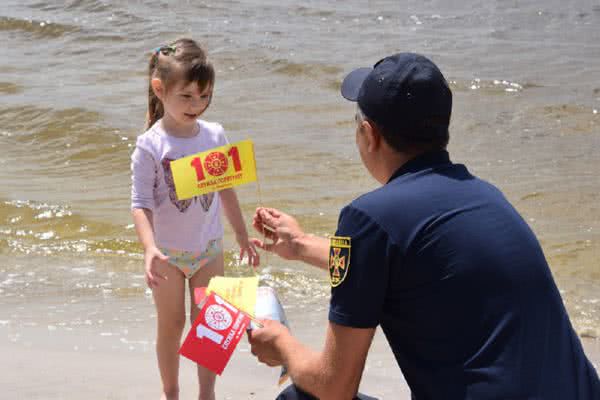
[166,49]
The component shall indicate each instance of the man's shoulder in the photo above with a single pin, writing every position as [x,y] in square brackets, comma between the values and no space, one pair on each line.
[424,187]
[385,201]
[413,199]
[368,213]
[375,198]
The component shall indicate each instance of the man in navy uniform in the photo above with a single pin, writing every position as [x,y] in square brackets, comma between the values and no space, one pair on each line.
[437,257]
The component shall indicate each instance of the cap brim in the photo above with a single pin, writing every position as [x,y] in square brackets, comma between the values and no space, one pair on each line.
[353,82]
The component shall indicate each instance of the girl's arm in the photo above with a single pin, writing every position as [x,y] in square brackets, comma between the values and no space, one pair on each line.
[233,213]
[142,200]
[142,218]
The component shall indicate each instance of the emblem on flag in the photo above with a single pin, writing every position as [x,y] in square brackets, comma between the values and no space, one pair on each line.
[339,259]
[214,170]
[215,333]
[218,318]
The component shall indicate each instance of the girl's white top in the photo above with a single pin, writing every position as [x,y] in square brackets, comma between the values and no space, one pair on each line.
[186,225]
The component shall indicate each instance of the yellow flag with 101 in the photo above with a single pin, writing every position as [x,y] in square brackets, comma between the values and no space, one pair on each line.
[240,292]
[213,170]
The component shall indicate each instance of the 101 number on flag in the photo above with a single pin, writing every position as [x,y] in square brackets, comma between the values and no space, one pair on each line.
[213,170]
[215,333]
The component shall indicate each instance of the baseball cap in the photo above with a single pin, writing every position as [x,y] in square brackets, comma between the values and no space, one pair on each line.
[404,93]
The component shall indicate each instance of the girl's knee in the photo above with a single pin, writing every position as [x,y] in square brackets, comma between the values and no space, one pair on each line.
[173,324]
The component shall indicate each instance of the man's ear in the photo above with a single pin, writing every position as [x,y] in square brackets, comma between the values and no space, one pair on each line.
[372,136]
[158,88]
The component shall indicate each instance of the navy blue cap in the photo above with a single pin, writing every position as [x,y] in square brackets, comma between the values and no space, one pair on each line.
[404,93]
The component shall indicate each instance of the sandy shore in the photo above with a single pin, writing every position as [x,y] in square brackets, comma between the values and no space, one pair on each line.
[46,368]
[42,370]
[38,373]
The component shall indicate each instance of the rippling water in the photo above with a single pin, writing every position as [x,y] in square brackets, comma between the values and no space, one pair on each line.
[72,83]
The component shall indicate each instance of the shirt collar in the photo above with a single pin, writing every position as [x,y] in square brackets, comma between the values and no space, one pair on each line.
[421,162]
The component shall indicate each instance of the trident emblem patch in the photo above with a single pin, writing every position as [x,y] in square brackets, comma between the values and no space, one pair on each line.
[339,259]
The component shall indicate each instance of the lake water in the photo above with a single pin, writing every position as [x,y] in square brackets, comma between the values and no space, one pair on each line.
[526,83]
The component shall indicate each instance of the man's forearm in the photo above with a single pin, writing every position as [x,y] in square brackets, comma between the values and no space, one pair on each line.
[313,250]
[306,368]
[333,373]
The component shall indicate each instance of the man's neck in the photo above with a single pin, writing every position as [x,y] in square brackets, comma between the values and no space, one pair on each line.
[392,161]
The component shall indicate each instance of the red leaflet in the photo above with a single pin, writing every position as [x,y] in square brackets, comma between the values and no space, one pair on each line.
[214,334]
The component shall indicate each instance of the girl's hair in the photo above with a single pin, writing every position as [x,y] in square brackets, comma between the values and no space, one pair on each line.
[182,59]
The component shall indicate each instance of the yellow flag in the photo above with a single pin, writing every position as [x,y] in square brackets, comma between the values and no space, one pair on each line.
[240,292]
[213,170]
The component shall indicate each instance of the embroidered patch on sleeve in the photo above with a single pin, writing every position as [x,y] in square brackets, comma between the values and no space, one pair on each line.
[339,259]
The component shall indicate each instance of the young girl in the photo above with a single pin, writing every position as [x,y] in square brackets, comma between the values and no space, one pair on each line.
[182,239]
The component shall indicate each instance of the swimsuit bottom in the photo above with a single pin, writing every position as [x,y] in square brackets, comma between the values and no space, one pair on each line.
[190,262]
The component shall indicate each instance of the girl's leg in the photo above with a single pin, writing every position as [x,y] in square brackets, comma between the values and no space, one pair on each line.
[169,298]
[206,378]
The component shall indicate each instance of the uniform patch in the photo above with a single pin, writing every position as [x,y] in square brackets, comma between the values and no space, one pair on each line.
[339,259]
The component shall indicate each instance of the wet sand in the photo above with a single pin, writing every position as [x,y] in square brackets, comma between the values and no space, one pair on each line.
[133,375]
[40,371]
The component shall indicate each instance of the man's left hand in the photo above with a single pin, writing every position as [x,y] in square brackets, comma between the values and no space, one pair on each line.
[266,341]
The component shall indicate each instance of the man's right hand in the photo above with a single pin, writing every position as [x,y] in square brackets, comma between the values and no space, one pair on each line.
[282,229]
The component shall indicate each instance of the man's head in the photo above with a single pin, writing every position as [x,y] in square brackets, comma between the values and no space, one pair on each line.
[408,100]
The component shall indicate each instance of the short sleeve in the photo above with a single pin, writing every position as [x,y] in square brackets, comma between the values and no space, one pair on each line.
[143,178]
[222,138]
[357,301]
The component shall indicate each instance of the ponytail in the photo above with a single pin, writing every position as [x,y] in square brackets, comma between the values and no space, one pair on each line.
[155,107]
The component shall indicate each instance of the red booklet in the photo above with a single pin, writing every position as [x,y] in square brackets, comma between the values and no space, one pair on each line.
[215,333]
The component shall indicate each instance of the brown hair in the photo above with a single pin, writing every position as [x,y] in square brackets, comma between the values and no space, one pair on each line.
[182,59]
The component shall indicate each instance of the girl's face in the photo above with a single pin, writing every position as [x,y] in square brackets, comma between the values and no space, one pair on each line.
[184,102]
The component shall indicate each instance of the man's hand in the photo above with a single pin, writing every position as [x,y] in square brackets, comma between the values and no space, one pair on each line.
[333,373]
[281,228]
[265,342]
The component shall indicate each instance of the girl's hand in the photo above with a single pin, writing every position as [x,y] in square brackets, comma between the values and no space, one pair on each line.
[248,248]
[153,257]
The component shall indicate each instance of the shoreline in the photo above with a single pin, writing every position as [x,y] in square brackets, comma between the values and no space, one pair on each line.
[46,369]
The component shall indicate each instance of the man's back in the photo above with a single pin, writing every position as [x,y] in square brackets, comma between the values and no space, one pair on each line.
[471,309]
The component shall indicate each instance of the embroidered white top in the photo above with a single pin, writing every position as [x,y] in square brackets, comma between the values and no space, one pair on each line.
[178,224]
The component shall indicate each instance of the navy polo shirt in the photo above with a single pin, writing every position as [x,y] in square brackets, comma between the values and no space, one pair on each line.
[461,288]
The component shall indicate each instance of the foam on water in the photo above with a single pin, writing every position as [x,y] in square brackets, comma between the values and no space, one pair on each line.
[526,94]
